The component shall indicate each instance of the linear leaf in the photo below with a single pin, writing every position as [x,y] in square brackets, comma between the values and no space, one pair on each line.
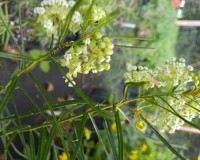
[111,139]
[136,47]
[68,20]
[8,94]
[109,17]
[99,135]
[15,56]
[133,38]
[87,16]
[47,145]
[119,135]
[9,31]
[80,135]
[81,155]
[162,139]
[55,121]
[27,128]
[42,109]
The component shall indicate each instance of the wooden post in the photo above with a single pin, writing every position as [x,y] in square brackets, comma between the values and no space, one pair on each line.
[189,23]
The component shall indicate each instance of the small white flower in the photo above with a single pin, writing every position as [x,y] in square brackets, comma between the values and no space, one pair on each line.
[182,102]
[77,18]
[175,83]
[12,23]
[67,56]
[182,60]
[108,59]
[189,79]
[140,68]
[78,67]
[134,68]
[161,84]
[87,41]
[171,102]
[173,59]
[71,3]
[138,78]
[70,84]
[48,24]
[190,68]
[39,10]
[94,71]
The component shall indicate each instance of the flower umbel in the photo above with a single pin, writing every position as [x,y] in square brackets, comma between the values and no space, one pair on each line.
[93,55]
[52,15]
[175,78]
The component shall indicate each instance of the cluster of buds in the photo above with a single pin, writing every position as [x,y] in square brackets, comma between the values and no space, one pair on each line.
[174,75]
[93,55]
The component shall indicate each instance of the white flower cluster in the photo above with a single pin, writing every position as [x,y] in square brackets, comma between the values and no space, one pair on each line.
[138,74]
[172,75]
[168,122]
[96,15]
[93,55]
[52,14]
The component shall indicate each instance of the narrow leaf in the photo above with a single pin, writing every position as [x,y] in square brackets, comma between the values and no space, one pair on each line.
[136,47]
[133,38]
[111,138]
[106,20]
[119,135]
[87,16]
[162,139]
[42,109]
[15,56]
[68,20]
[9,31]
[8,94]
[80,135]
[99,136]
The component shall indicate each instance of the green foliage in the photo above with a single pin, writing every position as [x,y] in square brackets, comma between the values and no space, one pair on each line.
[65,135]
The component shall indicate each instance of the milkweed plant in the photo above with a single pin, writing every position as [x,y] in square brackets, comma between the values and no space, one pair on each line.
[168,95]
